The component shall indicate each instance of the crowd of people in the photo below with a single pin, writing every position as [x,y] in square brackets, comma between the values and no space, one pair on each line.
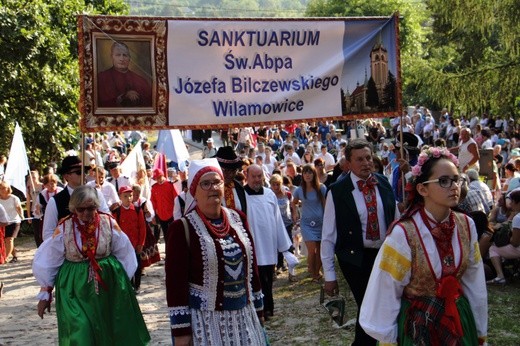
[411,209]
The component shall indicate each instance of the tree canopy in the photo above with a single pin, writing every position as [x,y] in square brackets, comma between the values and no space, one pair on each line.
[463,55]
[220,8]
[39,88]
[471,61]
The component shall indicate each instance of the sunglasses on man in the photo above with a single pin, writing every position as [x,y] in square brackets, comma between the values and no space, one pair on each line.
[77,172]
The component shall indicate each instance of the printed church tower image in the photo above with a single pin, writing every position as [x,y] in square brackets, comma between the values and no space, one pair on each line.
[379,67]
[377,92]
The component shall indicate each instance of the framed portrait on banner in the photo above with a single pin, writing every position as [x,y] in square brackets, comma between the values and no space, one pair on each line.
[125,84]
[124,73]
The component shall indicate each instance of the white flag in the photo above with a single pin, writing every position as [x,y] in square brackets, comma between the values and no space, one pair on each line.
[171,144]
[17,164]
[133,162]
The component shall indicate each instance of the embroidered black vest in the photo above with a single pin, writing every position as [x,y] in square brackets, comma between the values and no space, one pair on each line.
[349,241]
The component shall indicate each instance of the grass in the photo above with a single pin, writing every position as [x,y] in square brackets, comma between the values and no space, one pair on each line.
[504,314]
[301,320]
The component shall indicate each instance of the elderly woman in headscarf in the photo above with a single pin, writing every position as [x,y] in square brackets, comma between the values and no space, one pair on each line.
[212,284]
[90,260]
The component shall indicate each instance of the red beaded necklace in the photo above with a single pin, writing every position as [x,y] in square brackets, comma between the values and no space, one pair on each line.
[219,230]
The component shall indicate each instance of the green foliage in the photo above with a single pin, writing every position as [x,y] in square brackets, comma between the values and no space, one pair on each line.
[39,64]
[219,8]
[471,61]
[413,26]
[464,55]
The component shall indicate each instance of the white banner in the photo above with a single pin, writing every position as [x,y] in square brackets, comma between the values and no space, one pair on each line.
[253,71]
[211,73]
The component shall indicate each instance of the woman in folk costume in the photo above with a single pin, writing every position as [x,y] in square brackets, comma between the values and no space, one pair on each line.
[427,286]
[89,260]
[212,284]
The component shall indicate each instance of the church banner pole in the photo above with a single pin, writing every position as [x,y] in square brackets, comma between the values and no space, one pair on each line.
[401,151]
[82,156]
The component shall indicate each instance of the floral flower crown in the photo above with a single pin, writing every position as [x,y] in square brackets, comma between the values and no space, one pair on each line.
[432,152]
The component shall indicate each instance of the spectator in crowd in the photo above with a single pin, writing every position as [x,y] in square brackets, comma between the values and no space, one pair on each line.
[209,150]
[512,249]
[13,207]
[4,221]
[290,155]
[487,143]
[50,189]
[405,158]
[468,153]
[270,161]
[3,164]
[287,210]
[471,200]
[476,184]
[107,189]
[341,170]
[311,196]
[116,177]
[34,187]
[183,202]
[501,213]
[510,172]
[327,158]
[324,177]
[291,172]
[427,134]
[163,195]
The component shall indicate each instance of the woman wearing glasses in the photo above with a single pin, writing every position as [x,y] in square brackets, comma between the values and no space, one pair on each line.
[212,285]
[89,261]
[428,286]
[323,176]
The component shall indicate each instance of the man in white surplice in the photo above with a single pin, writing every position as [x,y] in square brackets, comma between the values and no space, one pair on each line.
[269,233]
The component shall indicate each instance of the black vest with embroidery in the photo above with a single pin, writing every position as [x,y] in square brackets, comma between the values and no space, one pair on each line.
[349,240]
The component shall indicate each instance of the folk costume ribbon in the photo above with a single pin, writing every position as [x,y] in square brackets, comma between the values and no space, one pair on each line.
[89,233]
[229,195]
[368,188]
[442,233]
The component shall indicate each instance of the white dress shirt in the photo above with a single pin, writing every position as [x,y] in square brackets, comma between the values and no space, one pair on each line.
[329,230]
